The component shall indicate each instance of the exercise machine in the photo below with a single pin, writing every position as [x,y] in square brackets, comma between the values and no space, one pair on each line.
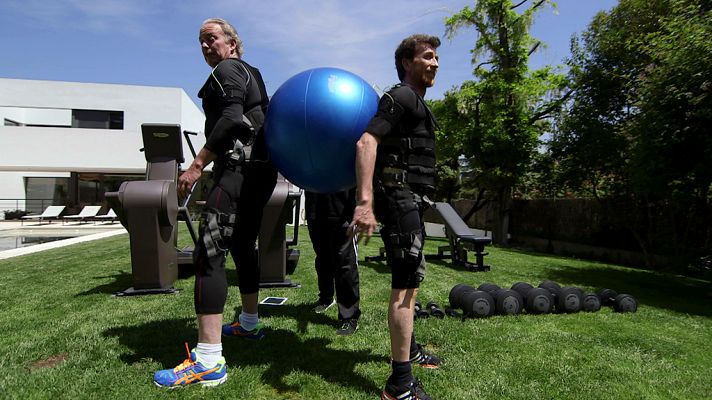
[276,259]
[150,212]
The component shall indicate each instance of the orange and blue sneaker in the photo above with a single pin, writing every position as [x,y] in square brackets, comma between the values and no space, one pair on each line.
[235,329]
[190,372]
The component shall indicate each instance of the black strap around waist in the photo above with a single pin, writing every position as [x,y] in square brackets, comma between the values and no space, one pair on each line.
[409,143]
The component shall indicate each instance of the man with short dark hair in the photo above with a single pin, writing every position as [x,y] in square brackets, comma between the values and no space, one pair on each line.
[395,169]
[235,102]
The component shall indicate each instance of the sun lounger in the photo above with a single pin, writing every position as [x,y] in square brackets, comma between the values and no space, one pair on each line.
[109,216]
[87,213]
[50,213]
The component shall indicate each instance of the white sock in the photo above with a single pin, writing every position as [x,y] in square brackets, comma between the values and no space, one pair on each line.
[248,321]
[208,353]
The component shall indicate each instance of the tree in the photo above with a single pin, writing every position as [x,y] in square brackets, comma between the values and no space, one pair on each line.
[675,102]
[591,143]
[636,132]
[672,162]
[449,148]
[502,113]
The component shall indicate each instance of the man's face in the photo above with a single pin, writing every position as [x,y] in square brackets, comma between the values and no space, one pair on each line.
[421,70]
[214,45]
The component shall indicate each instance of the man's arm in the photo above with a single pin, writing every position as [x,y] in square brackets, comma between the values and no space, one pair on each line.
[232,82]
[364,220]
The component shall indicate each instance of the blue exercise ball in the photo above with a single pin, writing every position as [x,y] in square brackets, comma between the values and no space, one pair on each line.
[312,125]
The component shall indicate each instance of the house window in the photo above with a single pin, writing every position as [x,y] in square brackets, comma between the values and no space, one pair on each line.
[97,119]
[92,186]
[41,192]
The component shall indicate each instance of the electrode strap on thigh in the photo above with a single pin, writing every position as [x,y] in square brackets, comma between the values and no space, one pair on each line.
[219,228]
[408,249]
[212,236]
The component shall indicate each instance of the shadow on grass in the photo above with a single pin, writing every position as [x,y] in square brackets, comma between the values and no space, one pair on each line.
[158,340]
[282,351]
[446,262]
[379,267]
[301,313]
[121,281]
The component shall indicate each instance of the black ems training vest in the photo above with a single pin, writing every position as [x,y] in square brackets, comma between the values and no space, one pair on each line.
[406,156]
[217,96]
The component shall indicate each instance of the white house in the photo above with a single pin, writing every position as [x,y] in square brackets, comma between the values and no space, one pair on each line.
[66,143]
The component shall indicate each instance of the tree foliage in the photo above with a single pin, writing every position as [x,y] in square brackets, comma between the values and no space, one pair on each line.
[637,129]
[494,122]
[674,100]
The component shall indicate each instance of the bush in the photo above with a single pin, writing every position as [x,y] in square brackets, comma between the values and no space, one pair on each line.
[15,214]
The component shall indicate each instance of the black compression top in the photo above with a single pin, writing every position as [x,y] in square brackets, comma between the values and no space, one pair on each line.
[406,128]
[233,88]
[399,105]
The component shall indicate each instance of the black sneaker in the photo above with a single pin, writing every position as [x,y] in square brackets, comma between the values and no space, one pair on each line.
[321,308]
[425,359]
[348,327]
[414,391]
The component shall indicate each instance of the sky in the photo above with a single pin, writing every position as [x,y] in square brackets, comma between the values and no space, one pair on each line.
[155,42]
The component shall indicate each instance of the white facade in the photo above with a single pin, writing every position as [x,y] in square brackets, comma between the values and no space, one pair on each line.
[37,138]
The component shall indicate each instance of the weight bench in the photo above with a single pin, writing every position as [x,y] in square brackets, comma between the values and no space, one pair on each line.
[461,239]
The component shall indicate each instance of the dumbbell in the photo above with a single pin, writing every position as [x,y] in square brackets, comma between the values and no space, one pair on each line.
[620,302]
[568,299]
[419,312]
[550,286]
[488,287]
[435,309]
[591,302]
[537,300]
[474,303]
[451,312]
[507,301]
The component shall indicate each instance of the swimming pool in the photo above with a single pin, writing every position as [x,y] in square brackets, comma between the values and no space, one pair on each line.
[15,239]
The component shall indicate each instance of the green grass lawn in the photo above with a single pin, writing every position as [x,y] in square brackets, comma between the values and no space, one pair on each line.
[64,336]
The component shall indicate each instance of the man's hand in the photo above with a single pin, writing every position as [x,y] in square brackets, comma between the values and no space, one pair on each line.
[191,175]
[186,181]
[363,221]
